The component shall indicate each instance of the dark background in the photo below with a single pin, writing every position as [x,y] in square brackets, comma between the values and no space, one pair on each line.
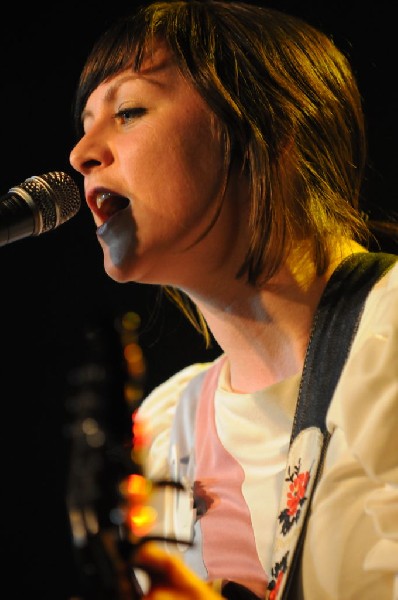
[53,288]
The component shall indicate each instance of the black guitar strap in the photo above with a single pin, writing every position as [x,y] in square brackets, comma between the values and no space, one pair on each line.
[335,325]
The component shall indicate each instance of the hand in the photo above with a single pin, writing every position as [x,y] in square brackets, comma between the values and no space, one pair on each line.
[169,577]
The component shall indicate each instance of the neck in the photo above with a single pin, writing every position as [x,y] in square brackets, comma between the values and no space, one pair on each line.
[264,332]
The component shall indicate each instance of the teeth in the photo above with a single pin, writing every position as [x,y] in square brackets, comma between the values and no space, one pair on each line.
[100,199]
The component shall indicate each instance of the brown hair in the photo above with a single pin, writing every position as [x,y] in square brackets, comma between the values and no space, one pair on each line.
[289,109]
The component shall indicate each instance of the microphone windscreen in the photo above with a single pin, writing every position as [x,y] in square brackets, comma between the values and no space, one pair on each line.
[54,198]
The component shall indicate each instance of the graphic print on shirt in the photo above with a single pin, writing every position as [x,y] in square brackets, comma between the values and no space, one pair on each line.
[202,500]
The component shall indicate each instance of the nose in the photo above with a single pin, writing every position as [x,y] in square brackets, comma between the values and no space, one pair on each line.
[89,154]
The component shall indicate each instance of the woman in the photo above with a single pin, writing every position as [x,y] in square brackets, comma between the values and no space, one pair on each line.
[222,148]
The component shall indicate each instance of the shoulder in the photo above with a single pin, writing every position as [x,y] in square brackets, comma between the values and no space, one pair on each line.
[157,411]
[365,403]
[361,467]
[380,314]
[165,396]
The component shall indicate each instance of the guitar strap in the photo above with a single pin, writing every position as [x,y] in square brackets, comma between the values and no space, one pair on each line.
[334,327]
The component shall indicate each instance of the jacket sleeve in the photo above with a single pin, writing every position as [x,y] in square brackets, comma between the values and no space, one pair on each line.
[156,414]
[351,545]
[365,414]
[370,422]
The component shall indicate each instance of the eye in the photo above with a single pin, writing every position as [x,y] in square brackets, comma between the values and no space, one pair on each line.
[126,115]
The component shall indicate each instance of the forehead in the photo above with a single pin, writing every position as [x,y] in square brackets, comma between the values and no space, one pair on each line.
[156,57]
[157,69]
[157,66]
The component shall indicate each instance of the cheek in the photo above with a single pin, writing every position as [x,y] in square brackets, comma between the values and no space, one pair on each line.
[177,170]
[195,163]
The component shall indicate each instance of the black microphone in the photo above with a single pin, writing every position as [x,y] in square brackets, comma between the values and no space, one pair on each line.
[37,205]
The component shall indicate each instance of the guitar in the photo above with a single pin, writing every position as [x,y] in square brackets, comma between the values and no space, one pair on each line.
[107,492]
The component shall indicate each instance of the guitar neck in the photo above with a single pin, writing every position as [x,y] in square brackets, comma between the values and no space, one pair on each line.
[104,391]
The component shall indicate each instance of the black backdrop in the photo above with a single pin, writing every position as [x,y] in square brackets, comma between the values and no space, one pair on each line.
[53,287]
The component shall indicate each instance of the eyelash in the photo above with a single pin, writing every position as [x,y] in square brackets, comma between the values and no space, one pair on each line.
[128,114]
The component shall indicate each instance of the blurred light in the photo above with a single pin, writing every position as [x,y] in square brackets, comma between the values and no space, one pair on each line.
[140,435]
[138,486]
[142,519]
[131,321]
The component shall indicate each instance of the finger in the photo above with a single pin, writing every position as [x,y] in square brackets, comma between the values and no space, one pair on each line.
[168,574]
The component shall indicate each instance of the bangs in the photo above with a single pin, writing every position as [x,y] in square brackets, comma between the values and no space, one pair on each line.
[121,47]
[187,29]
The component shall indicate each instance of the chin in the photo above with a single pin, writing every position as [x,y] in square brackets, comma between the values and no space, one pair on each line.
[117,272]
[133,270]
[118,263]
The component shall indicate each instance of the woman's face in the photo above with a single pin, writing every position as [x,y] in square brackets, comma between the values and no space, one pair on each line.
[150,139]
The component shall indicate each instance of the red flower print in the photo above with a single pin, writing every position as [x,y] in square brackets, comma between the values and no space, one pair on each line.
[295,498]
[278,571]
[296,492]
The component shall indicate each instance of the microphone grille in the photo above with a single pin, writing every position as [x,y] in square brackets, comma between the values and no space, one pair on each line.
[56,198]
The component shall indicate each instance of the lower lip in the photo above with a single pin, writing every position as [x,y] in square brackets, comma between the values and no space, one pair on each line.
[114,220]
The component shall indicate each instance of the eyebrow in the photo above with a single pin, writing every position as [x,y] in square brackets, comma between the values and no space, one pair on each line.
[110,93]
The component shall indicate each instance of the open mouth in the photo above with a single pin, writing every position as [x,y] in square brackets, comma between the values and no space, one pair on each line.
[108,204]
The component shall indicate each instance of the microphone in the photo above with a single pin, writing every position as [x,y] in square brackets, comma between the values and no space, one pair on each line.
[39,204]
